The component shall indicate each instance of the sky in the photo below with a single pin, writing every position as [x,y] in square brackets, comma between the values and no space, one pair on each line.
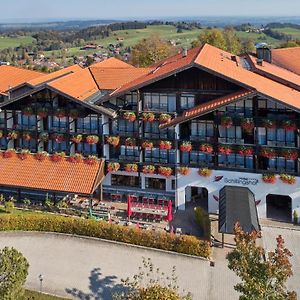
[110,9]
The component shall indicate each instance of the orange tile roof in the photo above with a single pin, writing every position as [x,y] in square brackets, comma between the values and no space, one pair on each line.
[79,85]
[288,58]
[12,76]
[63,176]
[207,107]
[54,75]
[112,62]
[113,78]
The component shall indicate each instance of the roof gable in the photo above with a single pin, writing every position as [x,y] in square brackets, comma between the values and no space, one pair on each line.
[112,62]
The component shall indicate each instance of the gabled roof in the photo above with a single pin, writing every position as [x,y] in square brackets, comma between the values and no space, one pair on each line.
[63,176]
[12,76]
[207,107]
[112,62]
[288,58]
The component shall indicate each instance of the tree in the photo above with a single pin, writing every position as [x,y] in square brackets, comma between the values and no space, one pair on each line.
[232,42]
[261,278]
[150,51]
[247,45]
[213,37]
[13,273]
[151,283]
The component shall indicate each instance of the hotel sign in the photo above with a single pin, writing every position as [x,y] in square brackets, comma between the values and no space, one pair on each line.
[239,180]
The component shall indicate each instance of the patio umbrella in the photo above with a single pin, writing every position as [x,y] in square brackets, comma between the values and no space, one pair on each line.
[129,211]
[170,214]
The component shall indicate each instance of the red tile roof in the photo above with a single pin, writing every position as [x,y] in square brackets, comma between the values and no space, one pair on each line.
[207,107]
[63,176]
[288,58]
[112,62]
[12,76]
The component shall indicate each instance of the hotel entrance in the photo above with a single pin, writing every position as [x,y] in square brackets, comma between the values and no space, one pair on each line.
[279,208]
[199,196]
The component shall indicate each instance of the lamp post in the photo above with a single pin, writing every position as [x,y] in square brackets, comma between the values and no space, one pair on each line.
[41,278]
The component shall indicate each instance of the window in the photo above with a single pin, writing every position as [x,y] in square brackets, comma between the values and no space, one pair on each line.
[125,127]
[151,130]
[54,146]
[2,119]
[122,180]
[187,101]
[155,183]
[160,102]
[242,108]
[3,143]
[235,161]
[230,135]
[26,122]
[157,155]
[276,137]
[89,124]
[30,145]
[128,153]
[196,158]
[202,130]
[281,164]
[57,124]
[87,148]
[131,101]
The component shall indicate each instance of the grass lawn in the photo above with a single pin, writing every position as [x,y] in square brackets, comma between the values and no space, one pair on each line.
[20,212]
[258,38]
[295,33]
[31,295]
[7,42]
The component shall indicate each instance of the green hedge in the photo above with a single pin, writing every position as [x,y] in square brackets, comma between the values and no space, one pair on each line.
[100,229]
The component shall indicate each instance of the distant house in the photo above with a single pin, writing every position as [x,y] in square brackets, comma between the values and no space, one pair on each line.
[89,47]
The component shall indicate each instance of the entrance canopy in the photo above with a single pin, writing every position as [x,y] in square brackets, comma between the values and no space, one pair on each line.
[237,204]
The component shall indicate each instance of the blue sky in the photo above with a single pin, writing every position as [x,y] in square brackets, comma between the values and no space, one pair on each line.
[108,9]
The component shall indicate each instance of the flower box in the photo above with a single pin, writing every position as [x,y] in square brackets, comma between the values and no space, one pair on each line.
[113,167]
[207,148]
[59,113]
[165,145]
[148,117]
[42,112]
[270,124]
[130,142]
[27,111]
[76,138]
[268,153]
[289,154]
[185,147]
[269,178]
[224,149]
[44,137]
[226,122]
[76,158]
[286,178]
[13,135]
[147,145]
[92,139]
[58,137]
[184,170]
[113,140]
[165,171]
[289,125]
[9,153]
[131,168]
[245,151]
[91,160]
[164,118]
[149,169]
[58,156]
[129,116]
[205,172]
[27,136]
[247,125]
[73,113]
[41,155]
[23,154]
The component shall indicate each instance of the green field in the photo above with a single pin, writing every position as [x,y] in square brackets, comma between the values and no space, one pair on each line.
[7,42]
[258,38]
[295,33]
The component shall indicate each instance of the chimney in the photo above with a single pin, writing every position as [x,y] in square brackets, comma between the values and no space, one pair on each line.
[263,52]
[259,61]
[184,52]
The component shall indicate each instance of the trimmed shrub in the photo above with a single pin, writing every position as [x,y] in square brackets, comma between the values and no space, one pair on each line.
[9,206]
[100,229]
[202,219]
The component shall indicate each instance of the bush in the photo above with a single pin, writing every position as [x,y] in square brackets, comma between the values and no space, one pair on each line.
[100,229]
[9,206]
[202,219]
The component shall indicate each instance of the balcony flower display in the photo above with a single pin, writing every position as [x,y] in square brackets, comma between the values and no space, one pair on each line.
[113,167]
[41,155]
[44,137]
[226,121]
[23,154]
[205,172]
[185,147]
[270,124]
[268,153]
[76,158]
[148,117]
[289,125]
[206,148]
[58,137]
[27,111]
[165,145]
[129,116]
[149,169]
[76,138]
[9,153]
[225,149]
[290,154]
[27,136]
[59,113]
[245,151]
[1,134]
[113,140]
[91,159]
[184,170]
[42,112]
[130,142]
[58,156]
[13,135]
[73,113]
[286,178]
[164,118]
[131,167]
[92,139]
[147,145]
[269,178]
[165,171]
[247,125]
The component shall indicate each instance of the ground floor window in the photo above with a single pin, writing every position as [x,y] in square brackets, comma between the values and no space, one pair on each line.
[122,180]
[155,183]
